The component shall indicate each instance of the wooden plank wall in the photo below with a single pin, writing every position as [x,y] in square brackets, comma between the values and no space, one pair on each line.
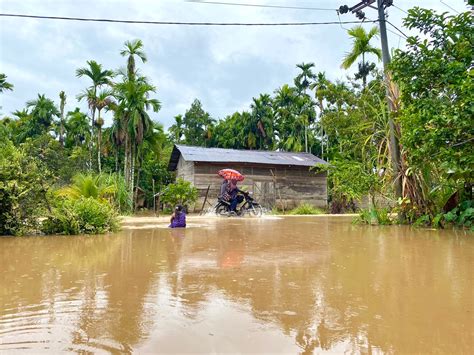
[285,187]
[185,170]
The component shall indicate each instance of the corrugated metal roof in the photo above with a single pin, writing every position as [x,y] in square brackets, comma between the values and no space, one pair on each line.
[220,155]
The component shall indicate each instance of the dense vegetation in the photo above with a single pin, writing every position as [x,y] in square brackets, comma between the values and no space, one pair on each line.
[53,163]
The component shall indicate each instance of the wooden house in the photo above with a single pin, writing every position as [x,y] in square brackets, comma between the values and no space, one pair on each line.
[281,179]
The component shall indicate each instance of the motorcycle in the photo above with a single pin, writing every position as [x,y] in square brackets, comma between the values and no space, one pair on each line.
[250,206]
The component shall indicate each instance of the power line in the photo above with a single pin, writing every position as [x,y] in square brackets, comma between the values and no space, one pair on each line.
[258,5]
[179,23]
[399,30]
[395,6]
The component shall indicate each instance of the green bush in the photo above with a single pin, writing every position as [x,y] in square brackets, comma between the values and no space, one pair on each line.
[84,215]
[23,186]
[460,216]
[182,192]
[380,216]
[306,208]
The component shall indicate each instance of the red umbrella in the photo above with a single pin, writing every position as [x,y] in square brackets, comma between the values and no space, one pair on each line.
[230,174]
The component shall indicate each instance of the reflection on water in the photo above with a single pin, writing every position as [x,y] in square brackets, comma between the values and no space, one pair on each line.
[277,285]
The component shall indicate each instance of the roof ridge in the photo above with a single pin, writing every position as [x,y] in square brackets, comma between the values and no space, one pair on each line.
[245,150]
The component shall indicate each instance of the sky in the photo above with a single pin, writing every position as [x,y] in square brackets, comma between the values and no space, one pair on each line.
[223,67]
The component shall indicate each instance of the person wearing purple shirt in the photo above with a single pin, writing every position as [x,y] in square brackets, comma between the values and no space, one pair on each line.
[178,218]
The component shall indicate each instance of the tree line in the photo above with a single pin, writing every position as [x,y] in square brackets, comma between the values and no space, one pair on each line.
[343,121]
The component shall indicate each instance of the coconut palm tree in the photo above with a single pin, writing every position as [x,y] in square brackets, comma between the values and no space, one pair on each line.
[132,49]
[360,47]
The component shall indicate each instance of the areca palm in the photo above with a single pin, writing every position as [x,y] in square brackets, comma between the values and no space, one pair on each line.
[132,49]
[133,104]
[320,86]
[98,76]
[360,47]
[102,100]
[176,130]
[4,85]
[302,82]
[62,97]
[263,117]
[43,111]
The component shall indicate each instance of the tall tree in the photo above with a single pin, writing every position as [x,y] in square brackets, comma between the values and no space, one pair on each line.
[103,100]
[132,49]
[302,82]
[62,103]
[42,115]
[176,130]
[133,103]
[360,47]
[197,125]
[4,85]
[98,77]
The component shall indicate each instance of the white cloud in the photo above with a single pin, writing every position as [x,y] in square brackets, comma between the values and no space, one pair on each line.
[222,66]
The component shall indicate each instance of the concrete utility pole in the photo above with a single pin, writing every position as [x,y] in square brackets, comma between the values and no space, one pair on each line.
[394,144]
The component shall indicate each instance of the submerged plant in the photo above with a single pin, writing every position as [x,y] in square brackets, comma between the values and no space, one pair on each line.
[306,208]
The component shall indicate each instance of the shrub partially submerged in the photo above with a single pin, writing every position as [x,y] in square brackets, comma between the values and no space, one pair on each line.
[306,208]
[84,215]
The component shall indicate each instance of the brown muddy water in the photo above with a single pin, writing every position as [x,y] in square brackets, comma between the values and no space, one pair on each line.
[274,285]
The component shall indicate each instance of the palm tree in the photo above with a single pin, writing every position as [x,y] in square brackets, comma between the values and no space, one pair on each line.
[360,47]
[98,76]
[132,49]
[262,121]
[176,129]
[133,104]
[62,97]
[103,100]
[320,86]
[77,129]
[87,185]
[4,85]
[302,82]
[43,111]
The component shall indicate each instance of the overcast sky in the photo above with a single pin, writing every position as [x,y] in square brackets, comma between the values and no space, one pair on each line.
[224,67]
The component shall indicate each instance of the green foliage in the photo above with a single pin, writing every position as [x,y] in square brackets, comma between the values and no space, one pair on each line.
[306,209]
[4,84]
[435,76]
[194,128]
[460,216]
[89,185]
[83,215]
[181,192]
[23,186]
[380,216]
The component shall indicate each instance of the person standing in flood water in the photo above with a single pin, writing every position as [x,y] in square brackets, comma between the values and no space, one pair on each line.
[178,218]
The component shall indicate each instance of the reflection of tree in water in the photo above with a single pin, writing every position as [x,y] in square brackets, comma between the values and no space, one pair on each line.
[325,292]
[347,299]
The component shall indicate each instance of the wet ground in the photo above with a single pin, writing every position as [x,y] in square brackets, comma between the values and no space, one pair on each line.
[274,285]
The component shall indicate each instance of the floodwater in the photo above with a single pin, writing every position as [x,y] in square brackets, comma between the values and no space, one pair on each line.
[274,285]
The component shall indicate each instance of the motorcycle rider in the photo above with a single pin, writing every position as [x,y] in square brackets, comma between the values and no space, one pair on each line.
[230,194]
